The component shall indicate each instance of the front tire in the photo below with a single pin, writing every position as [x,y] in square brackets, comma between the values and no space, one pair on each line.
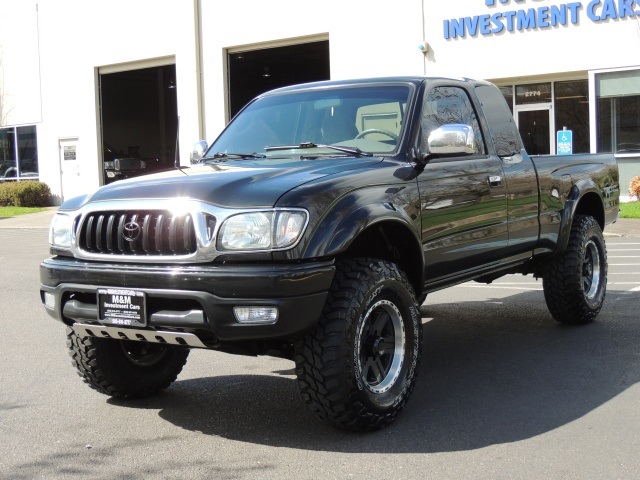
[358,367]
[128,369]
[576,282]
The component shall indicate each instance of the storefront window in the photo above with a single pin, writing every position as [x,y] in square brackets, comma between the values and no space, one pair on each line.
[18,154]
[27,152]
[533,93]
[572,111]
[507,93]
[7,153]
[618,111]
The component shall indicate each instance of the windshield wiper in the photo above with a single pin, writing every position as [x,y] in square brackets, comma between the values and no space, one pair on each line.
[221,157]
[348,150]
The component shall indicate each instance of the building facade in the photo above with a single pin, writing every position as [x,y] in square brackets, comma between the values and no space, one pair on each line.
[91,92]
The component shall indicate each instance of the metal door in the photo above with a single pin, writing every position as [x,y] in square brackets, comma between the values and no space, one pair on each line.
[534,125]
[70,174]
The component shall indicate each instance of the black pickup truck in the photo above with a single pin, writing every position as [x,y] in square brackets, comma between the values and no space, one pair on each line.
[313,228]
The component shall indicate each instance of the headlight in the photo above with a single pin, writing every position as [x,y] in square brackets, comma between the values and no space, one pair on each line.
[271,230]
[60,231]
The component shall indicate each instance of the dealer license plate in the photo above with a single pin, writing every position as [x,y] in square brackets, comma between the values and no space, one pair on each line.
[122,306]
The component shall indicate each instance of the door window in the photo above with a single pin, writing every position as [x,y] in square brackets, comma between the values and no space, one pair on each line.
[444,105]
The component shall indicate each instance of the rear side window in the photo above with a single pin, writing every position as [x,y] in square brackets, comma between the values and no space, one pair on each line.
[444,105]
[503,129]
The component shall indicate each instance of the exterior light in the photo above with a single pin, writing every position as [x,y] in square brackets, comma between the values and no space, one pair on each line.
[49,301]
[256,315]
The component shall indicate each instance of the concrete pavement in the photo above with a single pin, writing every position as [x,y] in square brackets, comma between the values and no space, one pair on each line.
[624,227]
[30,220]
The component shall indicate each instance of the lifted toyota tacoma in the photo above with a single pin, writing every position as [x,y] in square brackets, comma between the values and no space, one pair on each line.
[313,228]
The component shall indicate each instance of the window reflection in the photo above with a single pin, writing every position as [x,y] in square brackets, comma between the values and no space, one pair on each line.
[8,168]
[27,152]
[572,111]
[444,105]
[18,154]
[507,93]
[533,93]
[619,124]
[618,111]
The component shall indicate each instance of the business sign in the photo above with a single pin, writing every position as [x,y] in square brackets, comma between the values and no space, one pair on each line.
[538,18]
[564,142]
[70,152]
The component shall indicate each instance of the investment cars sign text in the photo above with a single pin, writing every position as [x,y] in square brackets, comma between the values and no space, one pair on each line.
[538,18]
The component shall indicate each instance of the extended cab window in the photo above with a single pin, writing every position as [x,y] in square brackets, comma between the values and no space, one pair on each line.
[505,134]
[444,105]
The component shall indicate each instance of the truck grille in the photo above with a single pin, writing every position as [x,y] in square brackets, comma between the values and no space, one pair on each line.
[141,232]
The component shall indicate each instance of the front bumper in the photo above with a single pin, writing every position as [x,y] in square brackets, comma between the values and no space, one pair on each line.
[195,299]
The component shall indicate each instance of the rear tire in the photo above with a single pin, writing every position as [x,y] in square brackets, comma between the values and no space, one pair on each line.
[125,368]
[358,367]
[576,283]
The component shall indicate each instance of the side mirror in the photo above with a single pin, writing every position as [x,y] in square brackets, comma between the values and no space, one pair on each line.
[452,138]
[198,151]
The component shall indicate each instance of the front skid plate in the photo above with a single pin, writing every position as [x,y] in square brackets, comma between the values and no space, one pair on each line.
[134,334]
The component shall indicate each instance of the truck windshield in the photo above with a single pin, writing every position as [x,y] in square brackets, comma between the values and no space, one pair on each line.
[368,118]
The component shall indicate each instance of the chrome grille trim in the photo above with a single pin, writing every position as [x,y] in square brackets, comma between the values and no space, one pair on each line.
[205,219]
[151,235]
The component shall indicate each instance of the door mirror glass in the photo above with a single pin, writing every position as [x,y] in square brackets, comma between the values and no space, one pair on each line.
[198,151]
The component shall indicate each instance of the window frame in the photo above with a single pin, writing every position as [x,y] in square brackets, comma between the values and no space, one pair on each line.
[593,109]
[14,131]
[478,121]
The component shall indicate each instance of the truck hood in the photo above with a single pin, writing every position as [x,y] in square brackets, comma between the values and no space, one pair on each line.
[233,184]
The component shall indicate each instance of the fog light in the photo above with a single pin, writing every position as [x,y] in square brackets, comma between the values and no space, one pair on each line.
[262,315]
[49,301]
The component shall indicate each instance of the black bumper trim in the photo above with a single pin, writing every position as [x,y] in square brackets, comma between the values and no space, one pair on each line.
[298,291]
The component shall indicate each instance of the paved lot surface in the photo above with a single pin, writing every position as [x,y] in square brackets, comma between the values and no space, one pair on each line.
[503,392]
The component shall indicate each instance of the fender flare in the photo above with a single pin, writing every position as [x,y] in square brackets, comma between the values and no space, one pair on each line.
[581,189]
[337,231]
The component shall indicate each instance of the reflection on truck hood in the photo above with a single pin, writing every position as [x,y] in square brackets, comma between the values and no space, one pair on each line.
[235,184]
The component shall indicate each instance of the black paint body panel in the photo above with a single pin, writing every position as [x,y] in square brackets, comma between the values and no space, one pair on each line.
[460,216]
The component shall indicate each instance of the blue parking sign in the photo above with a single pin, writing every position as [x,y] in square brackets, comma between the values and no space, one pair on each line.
[564,142]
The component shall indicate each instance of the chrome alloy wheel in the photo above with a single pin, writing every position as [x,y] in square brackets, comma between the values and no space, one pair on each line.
[590,276]
[380,346]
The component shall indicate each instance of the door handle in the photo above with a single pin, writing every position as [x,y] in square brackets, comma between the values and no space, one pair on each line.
[495,181]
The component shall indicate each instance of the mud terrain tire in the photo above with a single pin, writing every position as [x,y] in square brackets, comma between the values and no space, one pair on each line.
[358,367]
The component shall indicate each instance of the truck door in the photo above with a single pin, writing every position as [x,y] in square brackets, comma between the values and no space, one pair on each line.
[519,173]
[463,197]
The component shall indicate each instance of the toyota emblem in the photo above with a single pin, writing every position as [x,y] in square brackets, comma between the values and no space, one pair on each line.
[131,231]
